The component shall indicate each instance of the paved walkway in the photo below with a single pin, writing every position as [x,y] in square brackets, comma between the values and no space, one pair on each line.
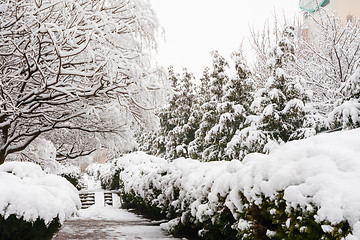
[102,223]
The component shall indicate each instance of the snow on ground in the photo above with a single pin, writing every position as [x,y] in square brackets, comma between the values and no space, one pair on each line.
[28,192]
[110,223]
[323,170]
[106,213]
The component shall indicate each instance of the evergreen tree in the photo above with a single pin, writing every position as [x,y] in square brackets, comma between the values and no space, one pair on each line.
[177,120]
[347,114]
[203,93]
[280,112]
[208,120]
[154,142]
[232,110]
[218,78]
[210,115]
[240,88]
[178,138]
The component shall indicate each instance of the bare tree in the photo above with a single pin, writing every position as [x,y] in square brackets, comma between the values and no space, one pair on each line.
[64,62]
[329,58]
[325,61]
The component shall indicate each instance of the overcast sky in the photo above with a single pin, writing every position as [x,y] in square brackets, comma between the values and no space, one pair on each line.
[193,28]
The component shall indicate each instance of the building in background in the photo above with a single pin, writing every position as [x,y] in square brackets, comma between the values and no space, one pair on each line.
[99,156]
[314,10]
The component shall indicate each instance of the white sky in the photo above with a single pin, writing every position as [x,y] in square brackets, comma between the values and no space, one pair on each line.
[193,28]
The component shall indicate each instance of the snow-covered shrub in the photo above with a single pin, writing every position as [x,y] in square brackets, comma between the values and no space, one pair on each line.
[33,200]
[305,189]
[72,173]
[107,173]
[43,152]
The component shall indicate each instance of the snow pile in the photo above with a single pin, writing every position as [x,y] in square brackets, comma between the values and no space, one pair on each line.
[320,174]
[28,192]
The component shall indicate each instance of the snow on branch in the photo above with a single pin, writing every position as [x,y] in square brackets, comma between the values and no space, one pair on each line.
[58,59]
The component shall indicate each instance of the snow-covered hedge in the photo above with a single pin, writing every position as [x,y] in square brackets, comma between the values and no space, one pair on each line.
[106,173]
[71,173]
[306,189]
[29,194]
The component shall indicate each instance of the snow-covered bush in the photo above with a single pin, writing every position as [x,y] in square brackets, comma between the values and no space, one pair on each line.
[305,189]
[72,173]
[43,152]
[105,173]
[32,200]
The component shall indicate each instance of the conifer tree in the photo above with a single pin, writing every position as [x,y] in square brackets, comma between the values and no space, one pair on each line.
[178,138]
[280,112]
[210,114]
[346,114]
[218,78]
[154,142]
[232,110]
[203,93]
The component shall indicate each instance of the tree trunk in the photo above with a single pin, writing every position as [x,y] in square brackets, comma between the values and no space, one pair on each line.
[3,138]
[2,156]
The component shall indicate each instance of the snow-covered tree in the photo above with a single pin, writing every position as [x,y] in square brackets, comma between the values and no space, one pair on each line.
[218,78]
[347,114]
[330,59]
[177,123]
[281,104]
[65,63]
[233,109]
[154,142]
[178,138]
[280,112]
[203,92]
[198,148]
[241,86]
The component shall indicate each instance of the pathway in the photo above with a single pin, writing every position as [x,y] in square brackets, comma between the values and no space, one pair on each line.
[108,223]
[102,223]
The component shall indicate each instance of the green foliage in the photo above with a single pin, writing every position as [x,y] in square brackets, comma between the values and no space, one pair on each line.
[260,217]
[200,120]
[232,111]
[280,111]
[218,78]
[347,114]
[220,227]
[73,179]
[271,219]
[146,208]
[13,228]
[111,182]
[178,121]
